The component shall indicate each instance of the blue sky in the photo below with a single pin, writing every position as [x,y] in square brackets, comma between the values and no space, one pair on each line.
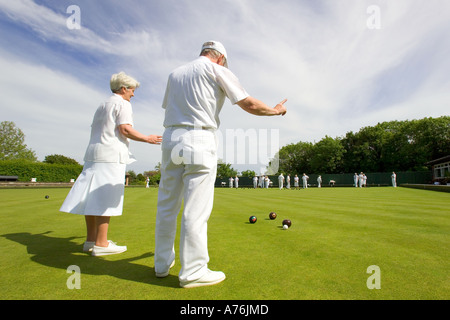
[337,71]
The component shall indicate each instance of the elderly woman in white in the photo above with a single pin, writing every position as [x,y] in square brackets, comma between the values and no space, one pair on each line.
[99,190]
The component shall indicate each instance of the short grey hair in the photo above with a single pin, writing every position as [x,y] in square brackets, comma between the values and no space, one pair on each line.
[213,54]
[120,80]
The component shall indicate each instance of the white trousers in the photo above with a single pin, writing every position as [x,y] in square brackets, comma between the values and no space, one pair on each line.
[188,172]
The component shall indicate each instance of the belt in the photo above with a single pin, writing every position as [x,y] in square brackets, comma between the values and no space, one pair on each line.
[188,127]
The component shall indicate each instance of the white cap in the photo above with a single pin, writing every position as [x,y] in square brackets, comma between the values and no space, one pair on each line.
[216,45]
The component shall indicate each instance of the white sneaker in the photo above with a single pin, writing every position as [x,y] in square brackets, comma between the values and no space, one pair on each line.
[88,246]
[165,274]
[112,248]
[208,279]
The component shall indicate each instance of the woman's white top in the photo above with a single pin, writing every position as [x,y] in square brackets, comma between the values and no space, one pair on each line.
[106,143]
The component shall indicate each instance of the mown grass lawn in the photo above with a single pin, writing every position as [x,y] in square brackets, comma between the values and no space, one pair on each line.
[336,235]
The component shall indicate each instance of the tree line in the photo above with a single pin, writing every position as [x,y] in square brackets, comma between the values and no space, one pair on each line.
[389,146]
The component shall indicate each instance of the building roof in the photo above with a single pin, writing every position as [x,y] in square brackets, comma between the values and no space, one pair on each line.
[440,160]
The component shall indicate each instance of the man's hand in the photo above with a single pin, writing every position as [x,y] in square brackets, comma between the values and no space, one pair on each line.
[259,108]
[281,108]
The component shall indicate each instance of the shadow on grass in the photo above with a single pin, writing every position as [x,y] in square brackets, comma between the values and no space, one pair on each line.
[62,252]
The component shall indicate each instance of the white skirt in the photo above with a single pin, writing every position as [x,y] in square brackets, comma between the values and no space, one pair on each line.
[98,190]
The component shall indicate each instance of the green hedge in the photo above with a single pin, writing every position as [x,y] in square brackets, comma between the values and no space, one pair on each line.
[43,172]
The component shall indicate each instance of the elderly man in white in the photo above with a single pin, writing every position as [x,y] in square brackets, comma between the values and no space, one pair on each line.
[99,190]
[194,97]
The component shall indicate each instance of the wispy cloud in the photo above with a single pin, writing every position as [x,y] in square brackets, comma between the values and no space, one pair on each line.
[52,26]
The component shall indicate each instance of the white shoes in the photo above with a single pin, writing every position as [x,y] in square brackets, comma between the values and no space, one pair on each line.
[88,246]
[112,248]
[208,279]
[165,274]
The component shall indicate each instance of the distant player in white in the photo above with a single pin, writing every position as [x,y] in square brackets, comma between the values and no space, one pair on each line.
[361,179]
[394,179]
[236,182]
[305,181]
[231,180]
[355,180]
[280,181]
[296,179]
[288,182]
[319,181]
[255,182]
